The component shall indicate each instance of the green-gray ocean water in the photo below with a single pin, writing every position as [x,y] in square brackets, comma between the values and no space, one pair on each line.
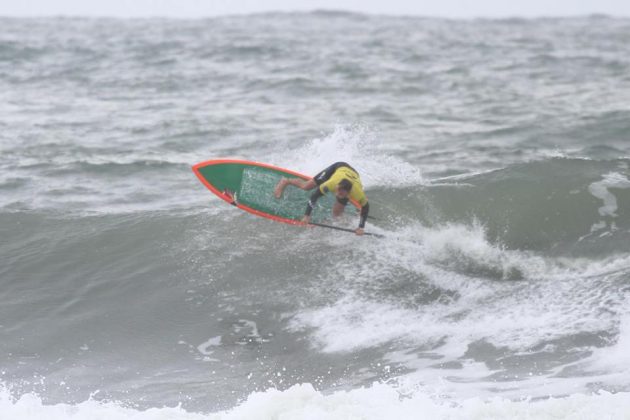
[495,154]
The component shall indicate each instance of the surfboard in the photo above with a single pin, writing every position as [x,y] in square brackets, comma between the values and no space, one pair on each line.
[250,187]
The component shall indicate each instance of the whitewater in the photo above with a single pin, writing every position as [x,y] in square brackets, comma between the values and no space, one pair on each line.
[496,158]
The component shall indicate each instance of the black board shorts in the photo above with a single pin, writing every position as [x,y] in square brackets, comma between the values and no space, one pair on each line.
[325,175]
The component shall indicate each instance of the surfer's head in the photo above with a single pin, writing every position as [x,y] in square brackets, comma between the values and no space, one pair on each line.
[343,188]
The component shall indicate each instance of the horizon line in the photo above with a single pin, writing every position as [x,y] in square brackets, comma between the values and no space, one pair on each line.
[315,11]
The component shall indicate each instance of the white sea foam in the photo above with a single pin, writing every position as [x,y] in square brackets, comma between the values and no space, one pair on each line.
[613,363]
[205,348]
[361,148]
[531,301]
[377,402]
[602,190]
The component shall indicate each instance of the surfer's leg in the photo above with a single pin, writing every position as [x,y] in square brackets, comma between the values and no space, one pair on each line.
[308,185]
[302,184]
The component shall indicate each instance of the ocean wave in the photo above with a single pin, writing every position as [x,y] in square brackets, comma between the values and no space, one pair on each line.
[553,204]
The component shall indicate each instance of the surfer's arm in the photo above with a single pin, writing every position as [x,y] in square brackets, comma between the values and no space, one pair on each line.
[364,215]
[311,203]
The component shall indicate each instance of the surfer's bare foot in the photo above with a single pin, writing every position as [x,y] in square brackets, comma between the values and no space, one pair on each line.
[280,187]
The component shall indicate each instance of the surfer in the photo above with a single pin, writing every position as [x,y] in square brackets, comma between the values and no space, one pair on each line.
[339,178]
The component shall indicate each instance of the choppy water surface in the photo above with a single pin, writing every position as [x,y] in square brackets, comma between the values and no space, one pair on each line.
[495,154]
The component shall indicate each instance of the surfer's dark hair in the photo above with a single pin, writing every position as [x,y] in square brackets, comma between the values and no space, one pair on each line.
[345,185]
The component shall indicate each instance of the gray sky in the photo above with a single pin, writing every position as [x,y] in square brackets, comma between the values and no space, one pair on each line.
[202,8]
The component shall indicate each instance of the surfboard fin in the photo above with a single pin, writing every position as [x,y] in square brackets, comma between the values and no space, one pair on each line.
[230,195]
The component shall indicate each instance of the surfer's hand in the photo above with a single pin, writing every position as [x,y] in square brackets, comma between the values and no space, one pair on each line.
[306,219]
[359,231]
